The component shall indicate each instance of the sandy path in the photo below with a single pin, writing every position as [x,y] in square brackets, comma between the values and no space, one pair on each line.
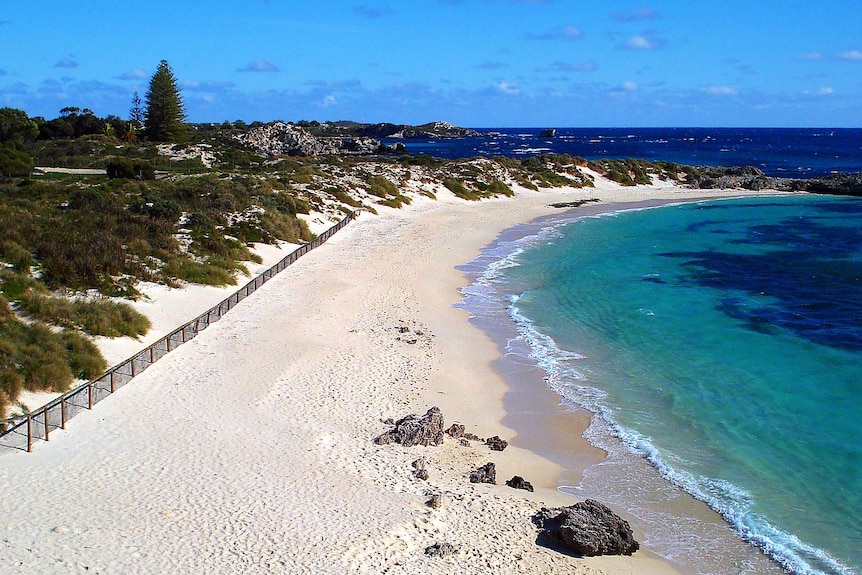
[248,449]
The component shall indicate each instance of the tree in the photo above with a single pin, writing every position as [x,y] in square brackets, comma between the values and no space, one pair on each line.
[16,126]
[136,114]
[164,114]
[14,162]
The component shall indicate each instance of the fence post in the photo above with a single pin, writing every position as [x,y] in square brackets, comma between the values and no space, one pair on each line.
[63,411]
[184,334]
[132,362]
[168,342]
[47,430]
[90,396]
[29,433]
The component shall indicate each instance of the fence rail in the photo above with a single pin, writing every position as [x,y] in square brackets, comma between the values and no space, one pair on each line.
[20,432]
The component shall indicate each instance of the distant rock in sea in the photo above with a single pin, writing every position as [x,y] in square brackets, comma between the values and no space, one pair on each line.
[430,131]
[548,133]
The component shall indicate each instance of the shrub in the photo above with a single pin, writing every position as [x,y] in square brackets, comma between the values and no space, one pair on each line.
[499,188]
[14,162]
[395,202]
[457,188]
[381,187]
[84,359]
[130,169]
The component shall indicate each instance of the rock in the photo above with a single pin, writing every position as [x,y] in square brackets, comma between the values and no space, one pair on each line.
[455,430]
[548,133]
[518,482]
[496,444]
[432,130]
[280,139]
[587,529]
[436,501]
[472,437]
[415,430]
[485,474]
[441,550]
[463,442]
[420,470]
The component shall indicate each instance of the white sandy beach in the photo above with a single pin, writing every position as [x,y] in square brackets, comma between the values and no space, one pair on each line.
[248,450]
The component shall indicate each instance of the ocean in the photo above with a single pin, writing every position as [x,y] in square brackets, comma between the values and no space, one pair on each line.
[780,152]
[720,341]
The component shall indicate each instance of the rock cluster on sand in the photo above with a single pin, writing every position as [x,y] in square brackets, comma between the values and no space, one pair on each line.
[587,528]
[485,474]
[518,482]
[415,430]
[496,444]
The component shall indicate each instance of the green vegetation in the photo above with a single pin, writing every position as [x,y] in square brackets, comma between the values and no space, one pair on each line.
[632,172]
[36,358]
[164,115]
[127,168]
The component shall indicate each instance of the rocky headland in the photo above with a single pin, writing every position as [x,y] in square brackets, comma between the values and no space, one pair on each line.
[281,139]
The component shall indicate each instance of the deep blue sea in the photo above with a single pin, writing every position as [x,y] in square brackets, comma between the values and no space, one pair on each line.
[790,152]
[720,341]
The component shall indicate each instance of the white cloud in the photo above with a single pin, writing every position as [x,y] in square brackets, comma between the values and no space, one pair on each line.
[133,74]
[643,43]
[721,90]
[826,91]
[329,100]
[629,86]
[852,55]
[572,32]
[509,88]
[259,66]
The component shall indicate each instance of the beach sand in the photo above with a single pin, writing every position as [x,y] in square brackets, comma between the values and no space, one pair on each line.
[249,449]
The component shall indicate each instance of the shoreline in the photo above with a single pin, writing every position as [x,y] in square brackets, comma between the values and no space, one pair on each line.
[249,448]
[548,424]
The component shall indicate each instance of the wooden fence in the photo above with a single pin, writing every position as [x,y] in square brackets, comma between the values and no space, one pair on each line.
[20,432]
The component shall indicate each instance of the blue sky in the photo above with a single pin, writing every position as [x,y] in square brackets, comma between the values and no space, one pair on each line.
[479,63]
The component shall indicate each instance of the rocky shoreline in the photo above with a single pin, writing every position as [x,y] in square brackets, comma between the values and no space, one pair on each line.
[585,529]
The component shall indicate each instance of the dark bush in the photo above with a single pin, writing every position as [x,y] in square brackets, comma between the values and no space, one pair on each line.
[130,169]
[14,162]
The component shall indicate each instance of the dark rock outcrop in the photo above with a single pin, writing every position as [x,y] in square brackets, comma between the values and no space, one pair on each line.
[456,430]
[420,469]
[415,430]
[435,502]
[587,529]
[518,482]
[432,130]
[842,184]
[485,474]
[548,133]
[496,444]
[440,550]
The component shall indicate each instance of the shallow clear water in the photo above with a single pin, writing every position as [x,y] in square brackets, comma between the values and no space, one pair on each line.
[723,342]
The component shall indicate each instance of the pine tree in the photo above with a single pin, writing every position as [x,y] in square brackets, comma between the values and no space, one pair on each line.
[136,114]
[164,114]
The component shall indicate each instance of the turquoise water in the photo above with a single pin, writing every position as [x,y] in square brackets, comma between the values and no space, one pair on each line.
[723,342]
